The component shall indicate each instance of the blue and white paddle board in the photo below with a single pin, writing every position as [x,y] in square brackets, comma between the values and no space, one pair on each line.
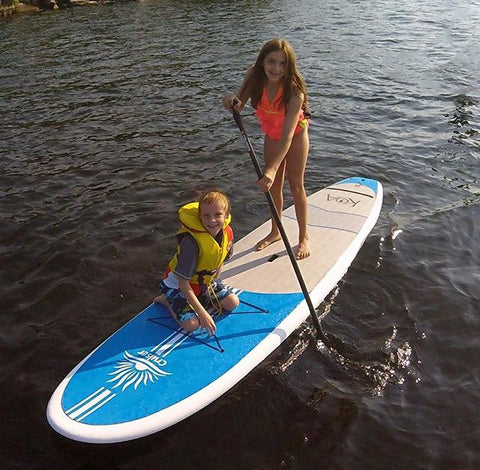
[150,374]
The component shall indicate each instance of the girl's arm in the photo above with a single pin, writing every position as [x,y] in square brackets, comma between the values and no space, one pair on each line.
[205,319]
[241,98]
[291,119]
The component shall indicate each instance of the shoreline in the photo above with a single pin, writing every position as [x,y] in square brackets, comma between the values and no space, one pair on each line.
[12,8]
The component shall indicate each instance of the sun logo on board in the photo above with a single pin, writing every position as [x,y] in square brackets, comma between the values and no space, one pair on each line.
[132,370]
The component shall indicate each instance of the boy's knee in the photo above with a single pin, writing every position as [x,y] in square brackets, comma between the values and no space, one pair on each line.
[190,325]
[230,302]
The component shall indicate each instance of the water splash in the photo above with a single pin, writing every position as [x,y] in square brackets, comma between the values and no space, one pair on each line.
[376,375]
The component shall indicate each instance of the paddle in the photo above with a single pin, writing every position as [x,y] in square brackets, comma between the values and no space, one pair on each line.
[320,334]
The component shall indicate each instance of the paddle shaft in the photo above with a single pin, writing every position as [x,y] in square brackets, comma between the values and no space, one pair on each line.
[276,217]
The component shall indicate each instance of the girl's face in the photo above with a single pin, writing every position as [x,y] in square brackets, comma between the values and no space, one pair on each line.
[213,217]
[275,65]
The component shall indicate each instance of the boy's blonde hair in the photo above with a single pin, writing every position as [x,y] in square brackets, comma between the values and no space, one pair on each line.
[215,197]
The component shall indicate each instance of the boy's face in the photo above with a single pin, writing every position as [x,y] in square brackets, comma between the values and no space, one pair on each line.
[213,217]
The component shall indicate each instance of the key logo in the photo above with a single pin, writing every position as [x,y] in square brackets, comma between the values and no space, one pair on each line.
[345,201]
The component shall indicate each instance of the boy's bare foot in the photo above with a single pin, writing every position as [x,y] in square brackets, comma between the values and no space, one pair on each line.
[267,241]
[303,250]
[161,299]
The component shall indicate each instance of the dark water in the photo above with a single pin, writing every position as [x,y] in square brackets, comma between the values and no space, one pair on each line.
[111,119]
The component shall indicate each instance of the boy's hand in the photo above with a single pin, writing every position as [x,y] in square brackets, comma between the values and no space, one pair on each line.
[206,321]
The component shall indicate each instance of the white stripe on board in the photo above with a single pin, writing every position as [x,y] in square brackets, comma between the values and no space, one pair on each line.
[166,340]
[85,400]
[165,346]
[174,346]
[104,402]
[90,404]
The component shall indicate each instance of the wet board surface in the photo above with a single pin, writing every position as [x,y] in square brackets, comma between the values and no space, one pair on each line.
[150,375]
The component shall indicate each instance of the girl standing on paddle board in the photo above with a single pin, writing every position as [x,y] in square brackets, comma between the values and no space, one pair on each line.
[278,93]
[205,241]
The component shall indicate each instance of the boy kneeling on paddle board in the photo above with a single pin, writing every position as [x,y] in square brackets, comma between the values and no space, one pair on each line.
[205,241]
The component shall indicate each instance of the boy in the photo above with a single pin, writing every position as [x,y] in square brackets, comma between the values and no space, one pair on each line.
[205,240]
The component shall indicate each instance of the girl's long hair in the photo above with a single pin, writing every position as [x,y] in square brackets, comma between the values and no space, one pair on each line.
[292,82]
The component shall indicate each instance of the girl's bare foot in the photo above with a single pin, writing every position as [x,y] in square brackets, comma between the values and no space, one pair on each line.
[268,240]
[303,250]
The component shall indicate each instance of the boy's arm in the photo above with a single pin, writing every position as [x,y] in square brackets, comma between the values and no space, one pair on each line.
[205,319]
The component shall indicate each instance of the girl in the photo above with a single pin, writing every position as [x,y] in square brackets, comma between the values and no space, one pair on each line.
[278,93]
